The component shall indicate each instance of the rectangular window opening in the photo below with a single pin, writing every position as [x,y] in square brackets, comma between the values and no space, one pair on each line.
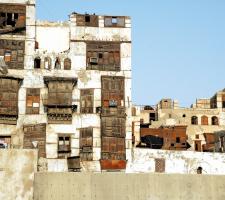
[114,20]
[87,18]
[64,146]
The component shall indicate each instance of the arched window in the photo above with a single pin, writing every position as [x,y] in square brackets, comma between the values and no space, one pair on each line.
[37,63]
[48,63]
[199,170]
[215,120]
[194,120]
[57,63]
[204,120]
[67,64]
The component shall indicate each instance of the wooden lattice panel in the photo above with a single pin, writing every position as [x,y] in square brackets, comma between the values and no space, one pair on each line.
[159,165]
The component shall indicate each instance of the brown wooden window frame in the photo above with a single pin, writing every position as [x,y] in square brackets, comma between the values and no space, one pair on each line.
[87,101]
[113,148]
[114,21]
[35,133]
[204,120]
[33,101]
[116,126]
[16,51]
[113,89]
[160,165]
[103,56]
[12,17]
[64,150]
[86,144]
[87,20]
[8,56]
[67,64]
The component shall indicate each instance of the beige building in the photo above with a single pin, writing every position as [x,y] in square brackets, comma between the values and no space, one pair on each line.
[66,87]
[202,119]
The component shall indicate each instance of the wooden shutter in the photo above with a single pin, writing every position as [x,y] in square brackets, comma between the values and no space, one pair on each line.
[86,100]
[33,101]
[107,55]
[86,144]
[159,165]
[33,134]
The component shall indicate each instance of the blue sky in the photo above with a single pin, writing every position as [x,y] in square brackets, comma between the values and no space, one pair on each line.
[178,45]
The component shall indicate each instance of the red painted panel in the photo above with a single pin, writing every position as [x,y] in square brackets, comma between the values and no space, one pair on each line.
[113,164]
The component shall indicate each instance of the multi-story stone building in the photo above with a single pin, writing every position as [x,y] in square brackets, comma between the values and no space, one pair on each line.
[66,87]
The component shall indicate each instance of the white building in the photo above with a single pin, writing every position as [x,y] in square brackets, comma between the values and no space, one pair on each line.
[66,87]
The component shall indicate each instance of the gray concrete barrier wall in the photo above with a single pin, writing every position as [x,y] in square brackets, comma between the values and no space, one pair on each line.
[115,186]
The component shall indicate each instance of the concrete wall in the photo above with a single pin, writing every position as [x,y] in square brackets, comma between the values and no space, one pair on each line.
[177,162]
[17,169]
[68,186]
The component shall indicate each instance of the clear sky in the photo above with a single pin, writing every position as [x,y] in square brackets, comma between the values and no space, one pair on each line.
[178,45]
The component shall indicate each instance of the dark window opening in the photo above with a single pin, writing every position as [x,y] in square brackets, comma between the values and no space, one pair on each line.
[199,170]
[152,117]
[16,16]
[223,104]
[100,55]
[184,115]
[10,19]
[36,45]
[37,63]
[197,136]
[57,64]
[172,145]
[215,120]
[87,18]
[194,120]
[177,140]
[2,14]
[196,147]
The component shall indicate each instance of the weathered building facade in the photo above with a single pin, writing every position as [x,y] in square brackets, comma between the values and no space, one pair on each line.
[66,87]
[204,120]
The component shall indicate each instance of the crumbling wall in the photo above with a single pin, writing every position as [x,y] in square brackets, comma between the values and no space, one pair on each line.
[17,169]
[176,162]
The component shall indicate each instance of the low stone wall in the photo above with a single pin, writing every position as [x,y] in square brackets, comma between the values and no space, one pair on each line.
[116,186]
[178,162]
[17,169]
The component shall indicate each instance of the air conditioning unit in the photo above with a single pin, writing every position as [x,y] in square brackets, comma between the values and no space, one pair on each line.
[112,103]
[93,60]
